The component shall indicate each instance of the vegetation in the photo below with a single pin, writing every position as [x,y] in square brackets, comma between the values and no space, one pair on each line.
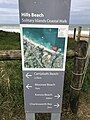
[9,41]
[11,85]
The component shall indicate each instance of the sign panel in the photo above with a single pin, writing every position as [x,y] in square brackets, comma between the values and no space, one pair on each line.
[43,91]
[44,31]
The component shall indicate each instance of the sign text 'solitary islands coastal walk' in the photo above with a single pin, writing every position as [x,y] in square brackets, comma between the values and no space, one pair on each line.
[44,31]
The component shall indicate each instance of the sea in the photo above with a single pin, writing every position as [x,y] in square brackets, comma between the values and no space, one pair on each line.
[10,27]
[16,28]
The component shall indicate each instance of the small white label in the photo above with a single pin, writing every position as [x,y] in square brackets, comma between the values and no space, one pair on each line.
[62,32]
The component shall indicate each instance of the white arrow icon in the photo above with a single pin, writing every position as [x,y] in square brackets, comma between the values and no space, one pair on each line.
[57,96]
[28,75]
[57,105]
[28,86]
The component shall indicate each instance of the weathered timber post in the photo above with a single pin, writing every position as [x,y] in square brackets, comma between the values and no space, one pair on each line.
[79,62]
[74,35]
[79,33]
[10,55]
[87,59]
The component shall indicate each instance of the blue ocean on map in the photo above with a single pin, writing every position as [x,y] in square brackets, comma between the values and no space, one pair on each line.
[47,37]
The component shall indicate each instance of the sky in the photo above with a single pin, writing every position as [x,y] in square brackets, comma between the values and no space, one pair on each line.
[80,12]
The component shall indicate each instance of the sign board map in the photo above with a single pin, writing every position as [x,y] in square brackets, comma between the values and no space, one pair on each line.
[44,32]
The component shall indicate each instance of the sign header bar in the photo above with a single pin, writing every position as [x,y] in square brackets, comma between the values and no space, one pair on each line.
[45,12]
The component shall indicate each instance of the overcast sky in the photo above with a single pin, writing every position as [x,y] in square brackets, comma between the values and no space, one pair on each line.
[80,12]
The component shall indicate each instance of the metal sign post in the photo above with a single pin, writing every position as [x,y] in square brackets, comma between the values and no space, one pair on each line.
[30,116]
[44,32]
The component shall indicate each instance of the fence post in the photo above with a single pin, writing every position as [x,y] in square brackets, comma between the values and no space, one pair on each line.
[79,33]
[74,36]
[77,74]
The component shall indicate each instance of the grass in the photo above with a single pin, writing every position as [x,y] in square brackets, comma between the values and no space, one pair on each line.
[9,41]
[11,85]
[11,97]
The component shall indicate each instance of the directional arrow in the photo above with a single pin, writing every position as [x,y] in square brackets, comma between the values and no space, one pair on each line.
[28,75]
[28,86]
[57,96]
[57,105]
